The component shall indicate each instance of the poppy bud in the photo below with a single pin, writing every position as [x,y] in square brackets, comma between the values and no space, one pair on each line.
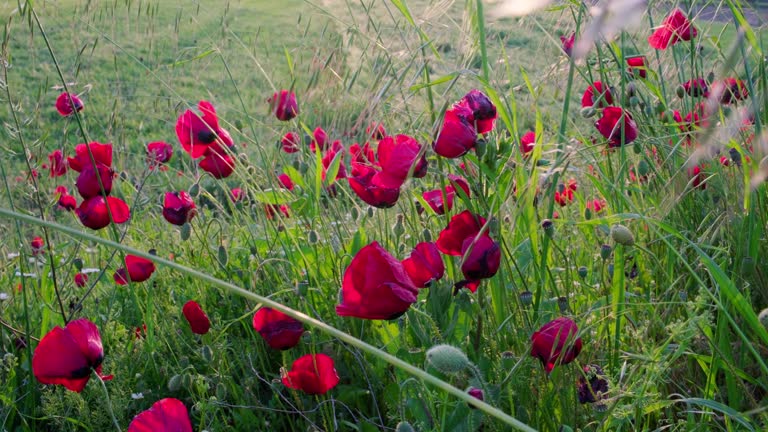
[78,263]
[427,234]
[398,229]
[312,237]
[634,101]
[186,231]
[447,359]
[582,272]
[174,384]
[526,298]
[622,235]
[747,266]
[475,393]
[605,251]
[680,91]
[404,426]
[549,227]
[206,353]
[562,303]
[587,213]
[565,428]
[354,213]
[370,212]
[222,255]
[643,168]
[480,148]
[588,112]
[763,317]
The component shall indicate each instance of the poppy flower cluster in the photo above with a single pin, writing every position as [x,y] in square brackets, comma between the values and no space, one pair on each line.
[136,269]
[473,114]
[556,343]
[66,356]
[165,415]
[313,374]
[465,237]
[68,103]
[202,137]
[94,183]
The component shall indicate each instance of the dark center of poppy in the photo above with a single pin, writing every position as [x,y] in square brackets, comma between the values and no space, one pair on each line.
[206,136]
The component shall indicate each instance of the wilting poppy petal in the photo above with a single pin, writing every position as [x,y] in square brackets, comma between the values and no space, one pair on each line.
[197,319]
[483,110]
[556,343]
[279,331]
[65,107]
[93,212]
[373,194]
[165,415]
[424,265]
[461,226]
[313,374]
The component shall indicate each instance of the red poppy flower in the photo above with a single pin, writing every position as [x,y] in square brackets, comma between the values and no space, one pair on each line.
[274,209]
[696,87]
[330,155]
[67,355]
[396,156]
[462,226]
[699,180]
[67,107]
[290,142]
[370,192]
[159,152]
[64,199]
[434,198]
[102,155]
[730,90]
[637,66]
[596,205]
[564,197]
[482,258]
[319,140]
[610,126]
[199,133]
[567,43]
[376,286]
[90,181]
[675,27]
[457,136]
[313,374]
[37,244]
[165,415]
[81,280]
[527,142]
[178,208]
[284,105]
[236,194]
[140,332]
[599,93]
[556,343]
[362,155]
[197,319]
[285,181]
[376,131]
[93,212]
[218,165]
[483,110]
[58,165]
[279,331]
[136,268]
[424,265]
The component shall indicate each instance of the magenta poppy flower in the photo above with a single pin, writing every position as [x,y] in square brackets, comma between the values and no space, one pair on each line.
[434,198]
[457,136]
[67,107]
[675,27]
[102,155]
[199,133]
[424,265]
[93,212]
[279,331]
[81,280]
[285,181]
[699,180]
[461,226]
[178,208]
[312,373]
[483,110]
[567,43]
[330,155]
[165,415]
[290,142]
[218,165]
[482,258]
[236,194]
[64,199]
[197,319]
[597,92]
[159,152]
[283,105]
[362,155]
[375,286]
[376,131]
[90,181]
[556,343]
[527,142]
[637,66]
[396,156]
[37,244]
[58,165]
[370,192]
[564,197]
[730,90]
[136,268]
[696,87]
[319,140]
[610,126]
[66,356]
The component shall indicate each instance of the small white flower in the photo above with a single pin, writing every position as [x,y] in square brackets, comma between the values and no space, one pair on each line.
[138,395]
[4,296]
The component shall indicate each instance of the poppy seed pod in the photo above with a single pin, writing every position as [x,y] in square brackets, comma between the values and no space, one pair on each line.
[526,298]
[448,359]
[605,251]
[582,272]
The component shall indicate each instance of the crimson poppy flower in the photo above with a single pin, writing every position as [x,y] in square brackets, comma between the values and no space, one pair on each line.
[102,155]
[58,165]
[699,180]
[279,331]
[330,155]
[482,258]
[67,355]
[730,90]
[290,142]
[64,199]
[375,286]
[312,373]
[457,136]
[362,155]
[218,165]
[675,27]
[81,280]
[461,226]
[434,198]
[37,244]
[90,181]
[376,131]
[199,133]
[610,127]
[596,205]
[274,209]
[564,197]
[527,142]
[483,110]
[136,268]
[178,208]
[637,66]
[696,87]
[236,194]
[165,415]
[285,181]
[67,107]
[597,92]
[94,214]
[567,43]
[396,156]
[424,265]
[284,105]
[319,140]
[197,319]
[159,152]
[369,191]
[555,343]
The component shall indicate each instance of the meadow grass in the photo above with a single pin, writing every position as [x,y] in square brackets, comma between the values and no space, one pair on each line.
[672,319]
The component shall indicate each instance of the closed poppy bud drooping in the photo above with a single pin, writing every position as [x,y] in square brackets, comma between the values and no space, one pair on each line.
[555,343]
[197,319]
[313,374]
[279,331]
